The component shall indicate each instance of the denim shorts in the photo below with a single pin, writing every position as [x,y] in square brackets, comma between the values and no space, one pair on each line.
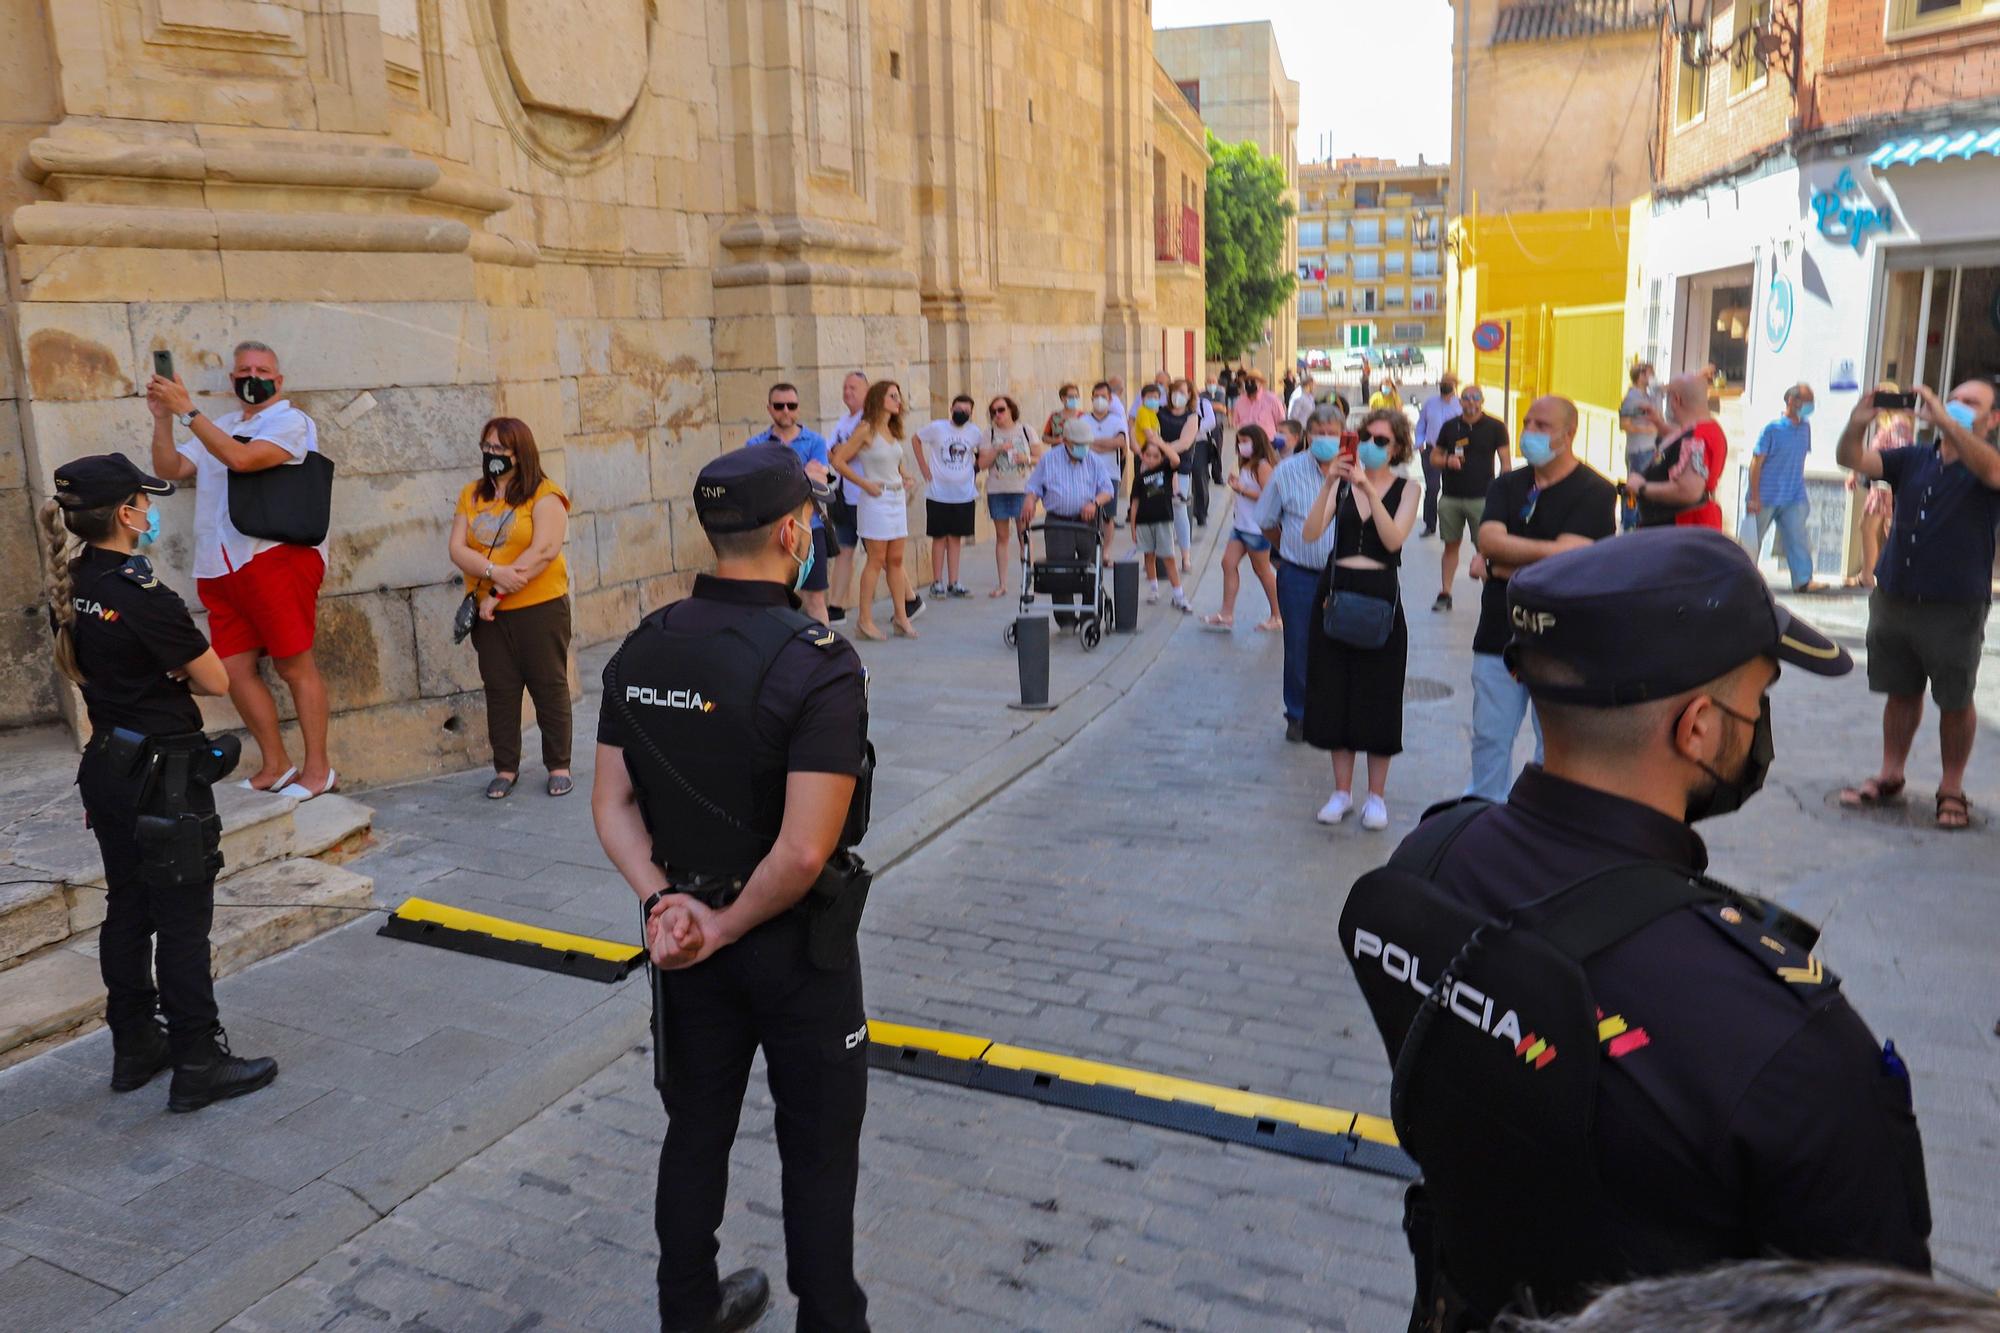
[1005,506]
[1252,541]
[841,517]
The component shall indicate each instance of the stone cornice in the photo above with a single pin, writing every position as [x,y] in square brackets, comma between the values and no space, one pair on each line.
[59,159]
[125,226]
[792,234]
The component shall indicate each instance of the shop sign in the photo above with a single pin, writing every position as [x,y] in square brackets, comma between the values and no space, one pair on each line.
[1780,306]
[1846,214]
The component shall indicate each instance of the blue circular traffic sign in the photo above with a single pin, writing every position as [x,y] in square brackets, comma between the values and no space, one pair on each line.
[1489,337]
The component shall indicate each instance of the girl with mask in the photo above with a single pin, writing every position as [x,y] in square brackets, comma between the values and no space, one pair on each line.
[507,539]
[1069,406]
[1180,426]
[1010,455]
[1254,464]
[1354,696]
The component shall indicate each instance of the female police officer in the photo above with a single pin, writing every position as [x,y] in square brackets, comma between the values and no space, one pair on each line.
[127,641]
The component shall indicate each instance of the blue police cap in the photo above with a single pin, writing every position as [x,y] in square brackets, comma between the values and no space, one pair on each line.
[745,489]
[1651,614]
[104,479]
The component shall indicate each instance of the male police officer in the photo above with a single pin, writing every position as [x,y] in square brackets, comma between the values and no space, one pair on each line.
[1608,1065]
[732,766]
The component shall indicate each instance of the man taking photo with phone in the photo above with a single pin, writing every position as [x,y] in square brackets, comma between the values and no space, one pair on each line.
[1933,584]
[262,594]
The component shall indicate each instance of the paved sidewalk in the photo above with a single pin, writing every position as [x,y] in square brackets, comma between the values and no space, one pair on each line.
[398,1062]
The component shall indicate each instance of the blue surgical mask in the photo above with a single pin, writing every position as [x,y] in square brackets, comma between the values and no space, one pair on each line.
[1805,411]
[1325,447]
[152,532]
[1372,455]
[1073,402]
[1962,413]
[1536,448]
[1077,451]
[805,565]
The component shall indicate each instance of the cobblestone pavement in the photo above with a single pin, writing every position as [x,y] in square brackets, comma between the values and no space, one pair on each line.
[1156,894]
[1153,893]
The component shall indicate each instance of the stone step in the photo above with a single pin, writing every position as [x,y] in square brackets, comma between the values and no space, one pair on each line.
[56,994]
[52,844]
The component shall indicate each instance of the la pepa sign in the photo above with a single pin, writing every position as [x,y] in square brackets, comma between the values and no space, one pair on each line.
[1846,214]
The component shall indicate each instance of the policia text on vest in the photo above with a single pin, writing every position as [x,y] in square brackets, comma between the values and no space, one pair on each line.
[732,784]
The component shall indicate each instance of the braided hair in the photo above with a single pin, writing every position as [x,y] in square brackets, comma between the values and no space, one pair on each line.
[58,526]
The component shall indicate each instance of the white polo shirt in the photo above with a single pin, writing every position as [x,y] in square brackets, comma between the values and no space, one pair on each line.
[219,548]
[836,437]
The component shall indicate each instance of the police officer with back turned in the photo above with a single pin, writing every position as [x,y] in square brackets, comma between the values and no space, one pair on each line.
[1607,1064]
[732,779]
[126,640]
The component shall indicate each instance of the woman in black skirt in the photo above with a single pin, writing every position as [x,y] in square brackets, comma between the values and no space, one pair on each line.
[1354,696]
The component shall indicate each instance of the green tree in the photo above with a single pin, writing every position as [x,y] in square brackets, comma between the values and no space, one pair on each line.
[1245,260]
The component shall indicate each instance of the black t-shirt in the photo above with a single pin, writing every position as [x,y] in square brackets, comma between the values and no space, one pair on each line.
[1582,503]
[131,630]
[1153,495]
[1483,441]
[809,716]
[1171,423]
[1740,1111]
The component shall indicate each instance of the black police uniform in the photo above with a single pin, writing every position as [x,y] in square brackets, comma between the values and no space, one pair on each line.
[147,770]
[736,689]
[1741,1106]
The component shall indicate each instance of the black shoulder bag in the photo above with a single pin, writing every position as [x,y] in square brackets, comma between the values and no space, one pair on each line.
[290,503]
[1354,619]
[468,606]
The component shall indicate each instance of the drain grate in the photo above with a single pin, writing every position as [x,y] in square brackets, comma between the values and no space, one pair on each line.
[1424,690]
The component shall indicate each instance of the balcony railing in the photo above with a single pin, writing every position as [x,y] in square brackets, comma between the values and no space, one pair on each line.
[1177,235]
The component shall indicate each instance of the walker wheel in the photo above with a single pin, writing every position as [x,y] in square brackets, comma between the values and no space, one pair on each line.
[1009,635]
[1091,634]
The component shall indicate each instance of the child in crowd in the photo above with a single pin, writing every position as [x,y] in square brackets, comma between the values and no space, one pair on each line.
[1292,437]
[1152,517]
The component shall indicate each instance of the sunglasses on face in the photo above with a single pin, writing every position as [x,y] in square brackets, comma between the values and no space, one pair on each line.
[784,407]
[1384,440]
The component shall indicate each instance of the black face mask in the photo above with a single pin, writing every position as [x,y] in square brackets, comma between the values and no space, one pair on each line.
[254,389]
[495,465]
[1724,795]
[959,416]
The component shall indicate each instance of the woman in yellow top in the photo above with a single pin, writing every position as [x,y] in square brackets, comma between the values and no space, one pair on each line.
[507,538]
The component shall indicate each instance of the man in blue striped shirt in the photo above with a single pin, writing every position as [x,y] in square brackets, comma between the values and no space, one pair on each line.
[1778,485]
[1281,515]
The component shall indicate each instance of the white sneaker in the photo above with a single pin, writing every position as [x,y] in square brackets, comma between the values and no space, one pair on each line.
[1335,809]
[1152,594]
[938,589]
[1183,605]
[1374,814]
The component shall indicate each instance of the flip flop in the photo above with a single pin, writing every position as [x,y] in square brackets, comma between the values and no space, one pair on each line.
[1271,626]
[298,791]
[1217,623]
[1873,793]
[561,784]
[500,788]
[1961,811]
[284,780]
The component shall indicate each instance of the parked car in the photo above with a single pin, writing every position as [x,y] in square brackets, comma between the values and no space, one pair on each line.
[1358,360]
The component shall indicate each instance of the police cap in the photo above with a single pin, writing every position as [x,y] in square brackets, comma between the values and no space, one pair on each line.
[1652,614]
[104,479]
[748,488]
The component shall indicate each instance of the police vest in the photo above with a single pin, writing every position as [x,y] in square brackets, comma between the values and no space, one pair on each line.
[1496,1042]
[712,801]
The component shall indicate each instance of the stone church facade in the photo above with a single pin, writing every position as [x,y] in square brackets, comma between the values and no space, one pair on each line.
[619,221]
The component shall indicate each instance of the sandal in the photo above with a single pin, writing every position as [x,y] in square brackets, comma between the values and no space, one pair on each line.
[561,784]
[1954,812]
[500,788]
[1272,625]
[1871,794]
[1218,622]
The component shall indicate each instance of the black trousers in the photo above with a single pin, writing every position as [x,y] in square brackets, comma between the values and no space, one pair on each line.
[147,927]
[1433,479]
[763,991]
[1198,501]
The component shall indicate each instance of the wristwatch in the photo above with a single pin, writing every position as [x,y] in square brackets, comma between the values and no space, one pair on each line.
[187,418]
[646,908]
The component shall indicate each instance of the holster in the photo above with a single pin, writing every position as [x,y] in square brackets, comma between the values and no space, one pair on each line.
[833,911]
[182,846]
[1436,1308]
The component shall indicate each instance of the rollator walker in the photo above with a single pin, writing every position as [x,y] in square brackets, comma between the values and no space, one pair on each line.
[1070,583]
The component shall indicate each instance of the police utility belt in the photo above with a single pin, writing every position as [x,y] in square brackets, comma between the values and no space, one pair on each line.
[182,846]
[832,906]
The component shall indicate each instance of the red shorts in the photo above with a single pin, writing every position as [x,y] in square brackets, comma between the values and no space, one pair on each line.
[269,605]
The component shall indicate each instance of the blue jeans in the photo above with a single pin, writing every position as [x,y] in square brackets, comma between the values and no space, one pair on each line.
[1296,586]
[1498,703]
[1790,519]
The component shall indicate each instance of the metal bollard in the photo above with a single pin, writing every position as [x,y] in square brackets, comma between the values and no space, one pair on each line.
[1031,655]
[1125,596]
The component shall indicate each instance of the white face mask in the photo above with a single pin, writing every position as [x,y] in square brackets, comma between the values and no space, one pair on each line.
[1244,449]
[1179,400]
[1100,404]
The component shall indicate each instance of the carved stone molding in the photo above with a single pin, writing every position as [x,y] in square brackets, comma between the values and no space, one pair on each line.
[567,79]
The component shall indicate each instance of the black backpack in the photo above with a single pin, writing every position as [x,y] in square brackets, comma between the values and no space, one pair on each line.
[1495,1038]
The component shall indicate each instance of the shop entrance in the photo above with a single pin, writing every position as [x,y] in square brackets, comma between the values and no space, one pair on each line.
[1941,324]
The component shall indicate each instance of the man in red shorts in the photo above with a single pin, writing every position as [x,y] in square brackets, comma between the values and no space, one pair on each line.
[262,596]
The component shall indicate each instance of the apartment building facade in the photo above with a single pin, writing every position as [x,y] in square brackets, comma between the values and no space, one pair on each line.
[1371,236]
[1823,209]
